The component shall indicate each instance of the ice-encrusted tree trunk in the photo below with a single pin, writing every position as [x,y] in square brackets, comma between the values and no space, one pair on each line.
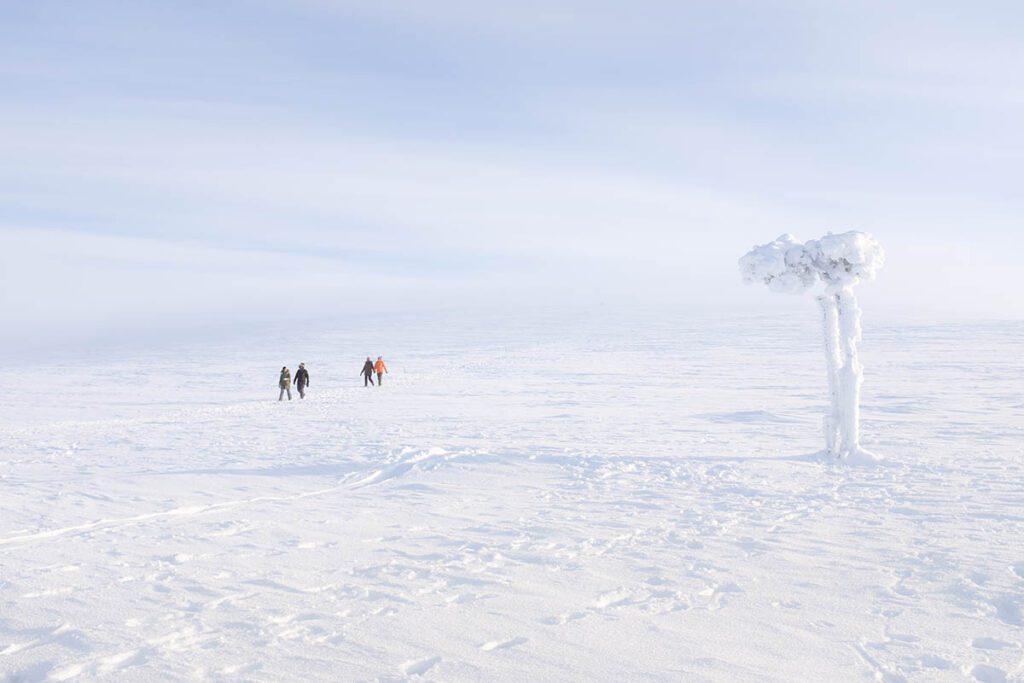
[830,325]
[839,262]
[851,376]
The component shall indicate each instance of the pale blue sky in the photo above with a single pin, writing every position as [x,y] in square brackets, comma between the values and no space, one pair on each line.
[174,163]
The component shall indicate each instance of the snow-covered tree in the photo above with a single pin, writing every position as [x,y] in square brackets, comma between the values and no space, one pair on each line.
[839,262]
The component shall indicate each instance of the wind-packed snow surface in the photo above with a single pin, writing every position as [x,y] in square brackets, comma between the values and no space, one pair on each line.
[620,504]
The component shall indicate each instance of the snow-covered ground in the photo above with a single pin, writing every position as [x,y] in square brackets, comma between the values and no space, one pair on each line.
[516,503]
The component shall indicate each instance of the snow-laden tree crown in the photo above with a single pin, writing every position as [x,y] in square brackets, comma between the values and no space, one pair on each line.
[787,265]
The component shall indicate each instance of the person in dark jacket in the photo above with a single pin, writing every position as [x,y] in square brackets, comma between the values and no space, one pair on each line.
[368,373]
[285,382]
[301,380]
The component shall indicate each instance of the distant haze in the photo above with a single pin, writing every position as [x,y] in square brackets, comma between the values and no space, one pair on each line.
[173,165]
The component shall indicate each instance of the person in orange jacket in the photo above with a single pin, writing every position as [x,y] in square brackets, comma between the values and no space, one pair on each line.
[380,369]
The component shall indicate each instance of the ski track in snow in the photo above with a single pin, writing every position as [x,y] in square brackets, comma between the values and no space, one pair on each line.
[503,525]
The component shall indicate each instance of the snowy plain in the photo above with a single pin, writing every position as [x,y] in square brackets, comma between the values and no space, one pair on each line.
[517,502]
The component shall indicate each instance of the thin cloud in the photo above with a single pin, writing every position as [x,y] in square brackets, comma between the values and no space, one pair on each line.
[565,154]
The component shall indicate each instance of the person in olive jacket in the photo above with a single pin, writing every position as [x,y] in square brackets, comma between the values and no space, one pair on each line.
[285,383]
[301,380]
[368,373]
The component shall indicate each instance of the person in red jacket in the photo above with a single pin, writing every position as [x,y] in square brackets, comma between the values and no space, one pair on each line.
[380,369]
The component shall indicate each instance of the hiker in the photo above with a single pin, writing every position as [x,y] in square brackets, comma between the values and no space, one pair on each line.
[301,380]
[380,369]
[285,383]
[368,372]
